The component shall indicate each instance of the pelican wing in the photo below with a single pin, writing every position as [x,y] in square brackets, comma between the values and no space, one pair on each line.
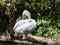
[29,26]
[19,23]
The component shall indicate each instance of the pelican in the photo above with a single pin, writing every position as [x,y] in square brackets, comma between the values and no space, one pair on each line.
[25,24]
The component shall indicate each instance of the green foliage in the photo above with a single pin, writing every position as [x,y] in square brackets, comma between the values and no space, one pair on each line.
[46,13]
[47,27]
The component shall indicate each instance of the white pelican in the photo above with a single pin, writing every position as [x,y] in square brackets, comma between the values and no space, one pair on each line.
[25,25]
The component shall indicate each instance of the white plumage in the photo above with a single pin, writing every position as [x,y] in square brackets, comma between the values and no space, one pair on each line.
[25,25]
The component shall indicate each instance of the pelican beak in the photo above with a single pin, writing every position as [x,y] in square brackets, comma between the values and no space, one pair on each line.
[25,17]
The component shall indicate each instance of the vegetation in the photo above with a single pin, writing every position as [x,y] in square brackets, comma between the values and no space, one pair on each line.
[45,12]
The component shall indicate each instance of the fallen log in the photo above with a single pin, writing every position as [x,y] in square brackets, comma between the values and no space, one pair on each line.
[5,37]
[48,41]
[17,41]
[32,39]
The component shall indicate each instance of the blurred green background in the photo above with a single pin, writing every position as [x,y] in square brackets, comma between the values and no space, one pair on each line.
[45,12]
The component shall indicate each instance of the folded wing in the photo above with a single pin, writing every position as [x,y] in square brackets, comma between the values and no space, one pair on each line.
[28,26]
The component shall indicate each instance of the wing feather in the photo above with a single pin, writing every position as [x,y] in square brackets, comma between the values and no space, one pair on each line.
[29,26]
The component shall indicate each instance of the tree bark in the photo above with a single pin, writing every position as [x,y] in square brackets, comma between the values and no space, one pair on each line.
[11,18]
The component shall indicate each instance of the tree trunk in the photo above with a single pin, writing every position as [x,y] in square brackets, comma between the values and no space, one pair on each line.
[11,18]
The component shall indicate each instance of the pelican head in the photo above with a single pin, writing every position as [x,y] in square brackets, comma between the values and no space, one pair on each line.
[26,14]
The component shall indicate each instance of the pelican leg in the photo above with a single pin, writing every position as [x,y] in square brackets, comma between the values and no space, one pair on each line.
[15,34]
[24,36]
